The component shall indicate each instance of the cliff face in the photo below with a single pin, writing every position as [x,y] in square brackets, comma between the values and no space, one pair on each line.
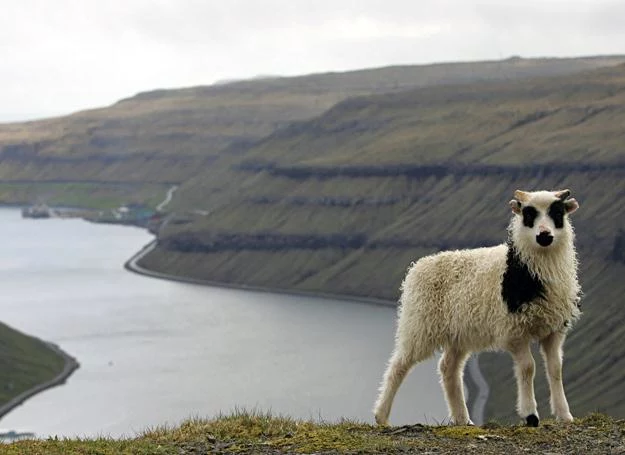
[343,203]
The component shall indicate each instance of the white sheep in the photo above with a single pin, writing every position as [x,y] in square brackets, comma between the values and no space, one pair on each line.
[502,297]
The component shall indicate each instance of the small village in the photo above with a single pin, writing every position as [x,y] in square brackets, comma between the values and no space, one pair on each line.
[128,214]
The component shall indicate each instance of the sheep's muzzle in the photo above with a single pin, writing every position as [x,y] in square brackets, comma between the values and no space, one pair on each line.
[544,238]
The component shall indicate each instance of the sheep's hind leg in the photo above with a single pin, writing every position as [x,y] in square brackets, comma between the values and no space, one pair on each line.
[524,370]
[407,353]
[451,369]
[397,369]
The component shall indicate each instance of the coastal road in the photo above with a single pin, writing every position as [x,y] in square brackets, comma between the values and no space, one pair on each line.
[168,196]
[132,265]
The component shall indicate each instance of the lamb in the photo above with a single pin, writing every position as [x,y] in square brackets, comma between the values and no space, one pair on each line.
[496,298]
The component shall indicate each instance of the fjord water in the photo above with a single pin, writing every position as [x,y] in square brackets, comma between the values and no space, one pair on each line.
[154,352]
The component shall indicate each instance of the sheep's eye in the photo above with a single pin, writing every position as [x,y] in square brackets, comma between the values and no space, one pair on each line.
[556,212]
[529,216]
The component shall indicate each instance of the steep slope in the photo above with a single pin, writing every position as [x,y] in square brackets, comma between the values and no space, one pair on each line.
[344,202]
[165,136]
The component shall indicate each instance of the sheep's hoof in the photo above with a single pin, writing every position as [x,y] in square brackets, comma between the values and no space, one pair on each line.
[462,422]
[532,420]
[381,421]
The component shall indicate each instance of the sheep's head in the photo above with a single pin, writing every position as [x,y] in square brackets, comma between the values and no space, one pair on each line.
[541,216]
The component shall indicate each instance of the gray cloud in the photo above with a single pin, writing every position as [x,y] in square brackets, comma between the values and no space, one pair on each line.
[73,54]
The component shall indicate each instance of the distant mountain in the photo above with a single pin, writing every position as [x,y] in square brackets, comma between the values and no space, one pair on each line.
[162,137]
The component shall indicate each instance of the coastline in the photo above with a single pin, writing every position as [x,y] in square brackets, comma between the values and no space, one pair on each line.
[133,266]
[476,403]
[70,365]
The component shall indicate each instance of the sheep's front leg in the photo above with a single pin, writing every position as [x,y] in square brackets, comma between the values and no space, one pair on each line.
[551,349]
[524,370]
[451,368]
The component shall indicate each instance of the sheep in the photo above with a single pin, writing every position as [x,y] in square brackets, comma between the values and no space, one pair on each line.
[495,298]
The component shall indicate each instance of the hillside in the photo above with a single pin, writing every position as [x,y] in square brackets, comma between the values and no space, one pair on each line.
[437,171]
[139,146]
[342,203]
[244,433]
[25,362]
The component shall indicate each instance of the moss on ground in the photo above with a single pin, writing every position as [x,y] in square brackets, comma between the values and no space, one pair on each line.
[244,432]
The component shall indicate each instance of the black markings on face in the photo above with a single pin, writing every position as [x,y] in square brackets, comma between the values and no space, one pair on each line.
[556,212]
[529,216]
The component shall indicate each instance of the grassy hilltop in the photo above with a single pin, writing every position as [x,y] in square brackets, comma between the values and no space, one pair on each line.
[245,433]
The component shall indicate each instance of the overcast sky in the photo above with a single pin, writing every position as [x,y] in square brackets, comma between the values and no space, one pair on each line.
[59,56]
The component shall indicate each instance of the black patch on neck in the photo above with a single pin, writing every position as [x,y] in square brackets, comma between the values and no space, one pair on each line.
[529,216]
[519,286]
[556,212]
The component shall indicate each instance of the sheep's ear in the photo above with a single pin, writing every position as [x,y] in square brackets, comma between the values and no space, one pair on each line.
[571,205]
[515,206]
[562,194]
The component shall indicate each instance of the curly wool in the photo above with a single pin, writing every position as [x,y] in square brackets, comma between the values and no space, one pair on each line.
[454,298]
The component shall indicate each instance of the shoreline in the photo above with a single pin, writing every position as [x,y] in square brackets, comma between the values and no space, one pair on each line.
[70,365]
[477,404]
[133,266]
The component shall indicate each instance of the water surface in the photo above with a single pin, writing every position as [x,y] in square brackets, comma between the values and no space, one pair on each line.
[155,352]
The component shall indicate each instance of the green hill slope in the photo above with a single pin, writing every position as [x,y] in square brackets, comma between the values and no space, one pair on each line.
[141,145]
[344,202]
[25,363]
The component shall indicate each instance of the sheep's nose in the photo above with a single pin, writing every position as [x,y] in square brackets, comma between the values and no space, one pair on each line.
[544,238]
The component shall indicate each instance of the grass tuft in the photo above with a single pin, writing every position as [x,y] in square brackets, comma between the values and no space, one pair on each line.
[264,433]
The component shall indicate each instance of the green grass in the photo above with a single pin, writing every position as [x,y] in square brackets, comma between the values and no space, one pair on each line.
[244,432]
[25,362]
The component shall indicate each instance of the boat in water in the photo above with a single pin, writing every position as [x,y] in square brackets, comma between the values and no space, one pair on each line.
[37,211]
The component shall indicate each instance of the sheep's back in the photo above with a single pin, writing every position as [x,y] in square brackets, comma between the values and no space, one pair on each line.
[456,296]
